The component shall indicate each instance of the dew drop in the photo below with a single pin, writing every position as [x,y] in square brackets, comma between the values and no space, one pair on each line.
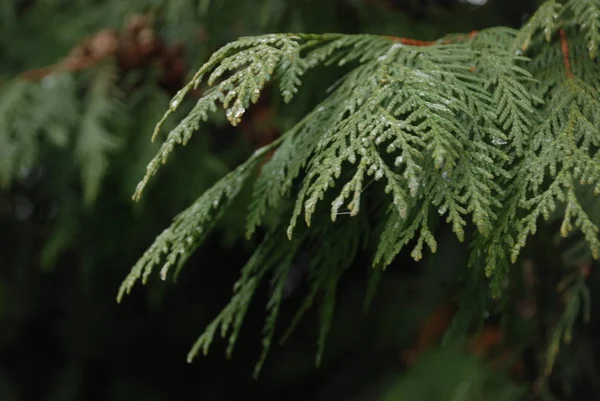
[163,272]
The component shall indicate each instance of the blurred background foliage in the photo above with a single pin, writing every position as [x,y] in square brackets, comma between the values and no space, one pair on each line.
[82,84]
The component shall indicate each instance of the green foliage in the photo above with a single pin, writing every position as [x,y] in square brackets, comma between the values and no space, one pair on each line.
[267,258]
[78,127]
[577,301]
[191,226]
[586,13]
[469,130]
[254,67]
[95,142]
[75,145]
[23,133]
[20,128]
[545,19]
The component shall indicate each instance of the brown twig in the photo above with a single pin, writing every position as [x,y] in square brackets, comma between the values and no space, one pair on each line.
[411,42]
[416,42]
[564,45]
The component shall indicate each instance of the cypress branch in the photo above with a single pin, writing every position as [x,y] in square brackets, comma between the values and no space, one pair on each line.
[496,131]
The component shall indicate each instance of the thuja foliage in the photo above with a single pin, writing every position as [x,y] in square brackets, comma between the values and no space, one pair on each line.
[57,123]
[494,133]
[90,90]
[77,111]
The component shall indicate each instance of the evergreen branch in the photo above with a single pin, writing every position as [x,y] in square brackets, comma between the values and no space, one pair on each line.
[560,145]
[278,284]
[334,248]
[267,258]
[189,229]
[545,18]
[249,63]
[277,175]
[464,125]
[21,131]
[95,142]
[587,15]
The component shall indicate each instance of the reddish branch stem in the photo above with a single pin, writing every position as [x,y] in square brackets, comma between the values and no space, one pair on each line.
[411,42]
[415,42]
[564,45]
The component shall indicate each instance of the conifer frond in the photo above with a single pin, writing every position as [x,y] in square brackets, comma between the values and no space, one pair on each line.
[237,74]
[403,111]
[587,15]
[332,250]
[267,258]
[95,141]
[545,19]
[278,174]
[61,121]
[465,129]
[585,69]
[21,130]
[278,283]
[561,157]
[175,244]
